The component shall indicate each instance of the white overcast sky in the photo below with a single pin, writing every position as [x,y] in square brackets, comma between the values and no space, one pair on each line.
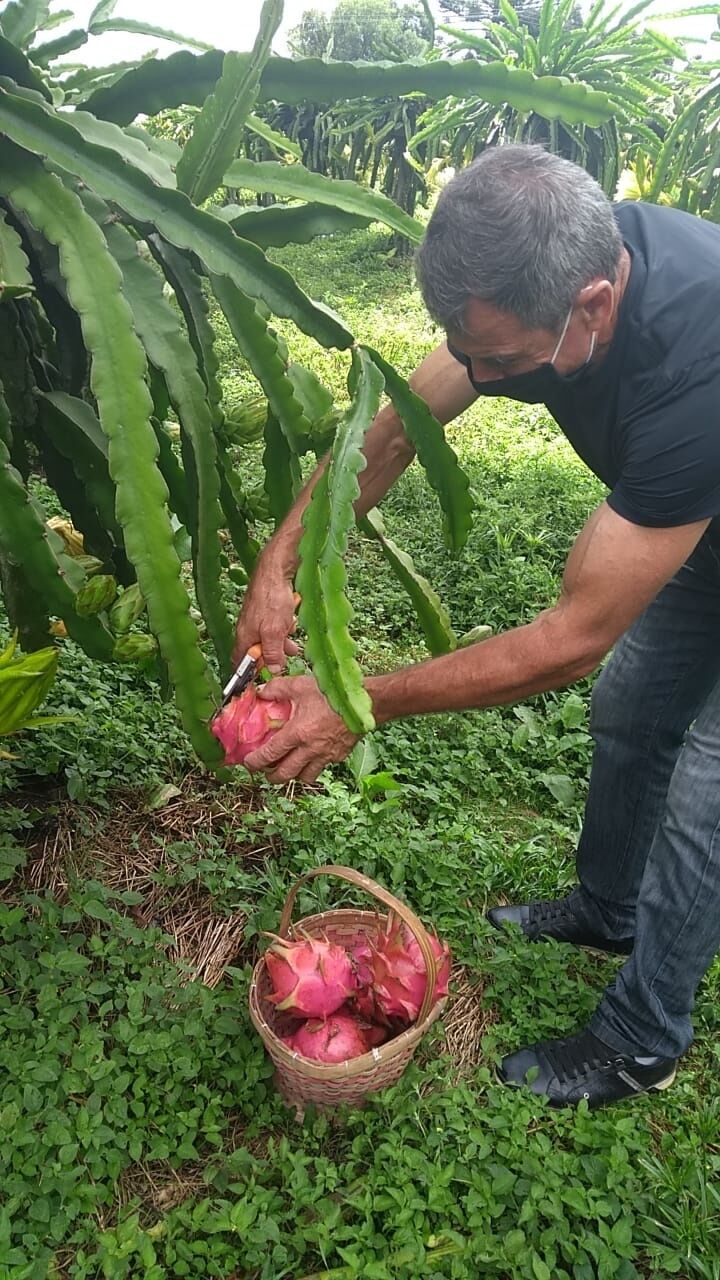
[232,24]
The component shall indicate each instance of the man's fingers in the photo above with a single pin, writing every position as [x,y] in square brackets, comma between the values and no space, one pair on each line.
[280,744]
[240,647]
[293,766]
[291,648]
[278,690]
[273,647]
[311,773]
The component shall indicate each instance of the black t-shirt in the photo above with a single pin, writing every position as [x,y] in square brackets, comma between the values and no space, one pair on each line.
[647,420]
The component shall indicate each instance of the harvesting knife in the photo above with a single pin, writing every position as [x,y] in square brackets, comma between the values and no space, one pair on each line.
[242,676]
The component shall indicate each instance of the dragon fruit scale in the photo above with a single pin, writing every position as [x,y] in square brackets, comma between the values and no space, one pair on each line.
[399,976]
[311,978]
[246,724]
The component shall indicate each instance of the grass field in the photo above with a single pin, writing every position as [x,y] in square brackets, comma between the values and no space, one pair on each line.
[142,1136]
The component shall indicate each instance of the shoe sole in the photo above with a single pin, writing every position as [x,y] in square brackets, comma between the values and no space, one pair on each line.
[565,942]
[653,1088]
[596,951]
[663,1084]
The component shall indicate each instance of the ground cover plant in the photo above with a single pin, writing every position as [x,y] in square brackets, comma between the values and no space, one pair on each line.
[142,1136]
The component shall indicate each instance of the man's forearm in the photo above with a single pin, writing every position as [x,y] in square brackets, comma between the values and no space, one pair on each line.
[507,668]
[388,453]
[443,384]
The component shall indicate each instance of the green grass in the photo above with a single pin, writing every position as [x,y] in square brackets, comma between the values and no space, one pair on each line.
[143,1136]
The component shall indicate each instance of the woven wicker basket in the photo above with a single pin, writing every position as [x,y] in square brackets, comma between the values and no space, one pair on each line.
[328,1085]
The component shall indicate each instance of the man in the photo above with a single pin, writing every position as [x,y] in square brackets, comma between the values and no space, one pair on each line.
[610,317]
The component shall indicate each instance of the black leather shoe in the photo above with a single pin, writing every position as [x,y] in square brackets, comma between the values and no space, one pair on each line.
[581,1066]
[557,920]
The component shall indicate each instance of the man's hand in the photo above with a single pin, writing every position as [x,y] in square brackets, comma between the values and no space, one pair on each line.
[267,617]
[313,737]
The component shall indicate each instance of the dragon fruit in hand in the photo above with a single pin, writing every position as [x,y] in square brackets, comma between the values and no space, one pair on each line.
[310,978]
[246,724]
[333,1039]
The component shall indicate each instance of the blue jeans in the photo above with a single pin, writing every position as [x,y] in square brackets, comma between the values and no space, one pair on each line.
[649,854]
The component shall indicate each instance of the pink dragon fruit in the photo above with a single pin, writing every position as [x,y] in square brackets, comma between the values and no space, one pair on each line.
[399,977]
[334,1039]
[246,724]
[364,1001]
[372,1031]
[310,978]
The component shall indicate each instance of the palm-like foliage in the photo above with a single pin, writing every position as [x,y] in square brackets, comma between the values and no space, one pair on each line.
[682,167]
[610,50]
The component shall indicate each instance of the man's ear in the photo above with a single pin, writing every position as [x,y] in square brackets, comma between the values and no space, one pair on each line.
[596,302]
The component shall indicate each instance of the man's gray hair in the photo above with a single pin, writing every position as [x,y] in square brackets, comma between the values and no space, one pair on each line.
[520,228]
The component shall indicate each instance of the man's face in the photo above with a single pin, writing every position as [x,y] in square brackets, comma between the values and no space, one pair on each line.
[499,345]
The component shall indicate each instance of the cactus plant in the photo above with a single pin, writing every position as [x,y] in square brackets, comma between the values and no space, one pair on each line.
[95,216]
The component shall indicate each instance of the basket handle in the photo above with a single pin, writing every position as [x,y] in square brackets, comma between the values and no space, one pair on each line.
[413,922]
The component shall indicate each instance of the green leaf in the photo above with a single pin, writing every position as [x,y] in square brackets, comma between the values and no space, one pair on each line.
[118,370]
[276,226]
[130,147]
[432,615]
[529,719]
[169,349]
[215,135]
[296,182]
[474,636]
[434,453]
[45,53]
[321,578]
[15,278]
[259,345]
[75,431]
[103,10]
[282,473]
[363,759]
[573,713]
[561,787]
[187,284]
[184,78]
[44,132]
[276,140]
[133,27]
[20,19]
[622,1233]
[17,67]
[541,1270]
[25,537]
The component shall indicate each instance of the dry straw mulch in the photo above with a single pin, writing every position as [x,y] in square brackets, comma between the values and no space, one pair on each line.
[132,849]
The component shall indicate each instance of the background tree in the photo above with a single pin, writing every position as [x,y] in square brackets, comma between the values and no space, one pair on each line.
[362,30]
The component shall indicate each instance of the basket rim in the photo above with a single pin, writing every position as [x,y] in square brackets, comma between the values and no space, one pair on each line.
[400,1044]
